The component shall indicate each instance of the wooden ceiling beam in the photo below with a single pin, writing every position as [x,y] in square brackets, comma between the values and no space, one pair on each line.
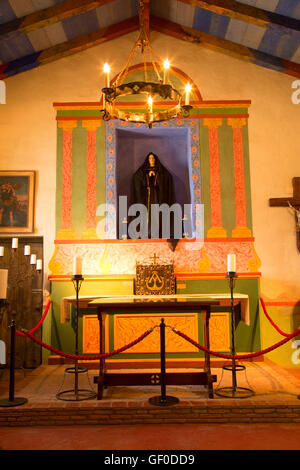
[223,45]
[248,13]
[68,48]
[49,16]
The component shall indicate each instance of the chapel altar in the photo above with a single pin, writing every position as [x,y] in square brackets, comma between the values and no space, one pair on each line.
[207,154]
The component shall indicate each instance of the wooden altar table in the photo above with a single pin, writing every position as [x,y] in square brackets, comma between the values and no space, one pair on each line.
[163,304]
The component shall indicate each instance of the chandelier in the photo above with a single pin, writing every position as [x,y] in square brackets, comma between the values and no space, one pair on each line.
[160,89]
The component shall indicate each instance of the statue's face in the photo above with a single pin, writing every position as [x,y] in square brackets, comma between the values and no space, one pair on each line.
[151,159]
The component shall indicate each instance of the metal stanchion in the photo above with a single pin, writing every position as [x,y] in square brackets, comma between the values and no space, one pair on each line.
[76,394]
[12,400]
[163,399]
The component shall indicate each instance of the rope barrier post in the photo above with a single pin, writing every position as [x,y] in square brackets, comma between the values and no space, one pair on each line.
[163,399]
[76,394]
[234,391]
[12,401]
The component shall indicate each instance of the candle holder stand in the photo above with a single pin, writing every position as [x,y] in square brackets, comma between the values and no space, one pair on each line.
[76,394]
[12,400]
[234,391]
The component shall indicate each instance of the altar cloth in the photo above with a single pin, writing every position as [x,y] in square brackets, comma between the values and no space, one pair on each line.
[223,299]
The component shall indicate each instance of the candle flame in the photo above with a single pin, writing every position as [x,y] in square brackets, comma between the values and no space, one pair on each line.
[150,101]
[166,64]
[106,68]
[188,88]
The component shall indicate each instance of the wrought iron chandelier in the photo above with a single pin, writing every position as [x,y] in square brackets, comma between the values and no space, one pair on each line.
[160,89]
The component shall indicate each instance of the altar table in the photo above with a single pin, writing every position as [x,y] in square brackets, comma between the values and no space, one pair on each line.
[162,304]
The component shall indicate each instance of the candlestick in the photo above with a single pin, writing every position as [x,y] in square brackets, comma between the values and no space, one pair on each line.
[187,94]
[166,71]
[14,243]
[150,101]
[1,250]
[77,266]
[33,259]
[106,70]
[39,265]
[231,263]
[27,250]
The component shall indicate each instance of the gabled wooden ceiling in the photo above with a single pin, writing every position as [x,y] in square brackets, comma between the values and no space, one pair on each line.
[35,32]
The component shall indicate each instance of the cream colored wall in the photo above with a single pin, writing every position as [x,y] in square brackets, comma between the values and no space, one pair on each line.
[28,136]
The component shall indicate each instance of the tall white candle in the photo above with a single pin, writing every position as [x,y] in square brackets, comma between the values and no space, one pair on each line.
[1,250]
[150,101]
[166,71]
[3,283]
[106,70]
[77,266]
[33,259]
[231,263]
[27,250]
[39,264]
[187,94]
[14,243]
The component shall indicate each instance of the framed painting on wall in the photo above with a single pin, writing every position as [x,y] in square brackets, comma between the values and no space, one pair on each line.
[16,201]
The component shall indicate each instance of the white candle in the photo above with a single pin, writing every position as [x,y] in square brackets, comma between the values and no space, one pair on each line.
[231,263]
[187,94]
[3,283]
[106,70]
[33,259]
[166,71]
[1,250]
[77,266]
[14,243]
[39,265]
[150,101]
[27,250]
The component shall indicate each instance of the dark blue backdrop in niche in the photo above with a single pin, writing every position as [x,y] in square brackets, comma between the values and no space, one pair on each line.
[172,147]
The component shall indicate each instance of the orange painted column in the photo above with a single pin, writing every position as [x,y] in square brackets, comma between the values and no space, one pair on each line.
[91,178]
[241,229]
[216,229]
[66,231]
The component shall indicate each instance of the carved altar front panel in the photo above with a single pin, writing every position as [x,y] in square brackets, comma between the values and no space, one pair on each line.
[219,338]
[128,327]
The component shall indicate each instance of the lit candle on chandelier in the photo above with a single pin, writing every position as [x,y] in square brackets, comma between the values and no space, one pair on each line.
[187,94]
[166,71]
[150,102]
[106,70]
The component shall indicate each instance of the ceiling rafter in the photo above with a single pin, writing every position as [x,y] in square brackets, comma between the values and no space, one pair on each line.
[248,13]
[223,45]
[49,16]
[68,48]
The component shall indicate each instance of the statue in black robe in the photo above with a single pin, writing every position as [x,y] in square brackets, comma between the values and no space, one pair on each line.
[153,184]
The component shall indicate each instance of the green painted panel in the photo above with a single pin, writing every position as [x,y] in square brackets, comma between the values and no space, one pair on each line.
[138,98]
[59,158]
[205,184]
[226,177]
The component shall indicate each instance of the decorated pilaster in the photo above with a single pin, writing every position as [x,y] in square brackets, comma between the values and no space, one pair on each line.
[241,230]
[216,229]
[91,178]
[66,231]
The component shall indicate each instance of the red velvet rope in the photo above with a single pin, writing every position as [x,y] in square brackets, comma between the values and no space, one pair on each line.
[240,356]
[19,333]
[89,358]
[270,319]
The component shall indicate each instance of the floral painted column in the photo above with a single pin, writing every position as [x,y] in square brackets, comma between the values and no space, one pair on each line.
[241,230]
[216,229]
[66,231]
[91,178]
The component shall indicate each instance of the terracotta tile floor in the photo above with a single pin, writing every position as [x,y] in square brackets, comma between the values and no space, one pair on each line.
[271,384]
